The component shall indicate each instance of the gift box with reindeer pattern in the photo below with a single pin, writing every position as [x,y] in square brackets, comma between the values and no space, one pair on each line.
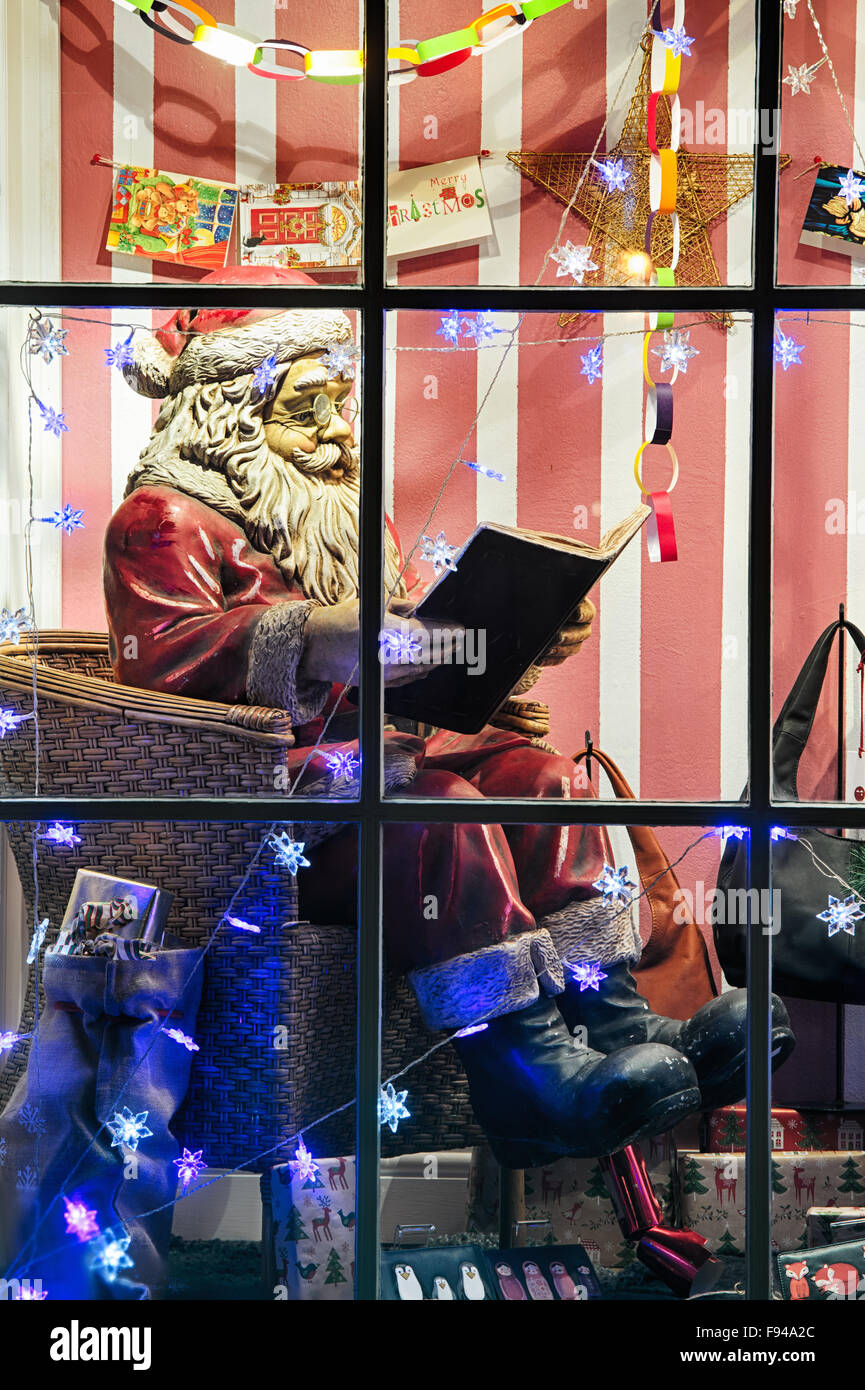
[312,1223]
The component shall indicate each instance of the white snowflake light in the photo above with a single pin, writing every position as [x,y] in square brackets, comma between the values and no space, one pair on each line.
[593,364]
[59,834]
[451,326]
[109,1252]
[573,260]
[80,1222]
[731,832]
[13,625]
[342,765]
[303,1166]
[67,520]
[9,721]
[188,1166]
[264,376]
[786,351]
[588,973]
[53,421]
[780,832]
[615,885]
[120,356]
[239,923]
[677,350]
[790,8]
[177,1036]
[340,361]
[46,341]
[851,188]
[438,553]
[487,472]
[842,916]
[289,853]
[399,648]
[678,41]
[614,173]
[8,1040]
[129,1129]
[482,328]
[391,1107]
[36,940]
[30,1293]
[800,79]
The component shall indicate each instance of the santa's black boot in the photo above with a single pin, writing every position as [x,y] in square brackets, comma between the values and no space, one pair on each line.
[537,1096]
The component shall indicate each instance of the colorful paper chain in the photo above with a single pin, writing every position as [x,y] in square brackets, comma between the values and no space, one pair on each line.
[186,22]
[666,71]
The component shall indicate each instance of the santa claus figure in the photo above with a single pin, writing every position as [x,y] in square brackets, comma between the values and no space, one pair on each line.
[231,574]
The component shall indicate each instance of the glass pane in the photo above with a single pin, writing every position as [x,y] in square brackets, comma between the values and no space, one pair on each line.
[154,157]
[208,559]
[482,924]
[153,1100]
[537,429]
[549,139]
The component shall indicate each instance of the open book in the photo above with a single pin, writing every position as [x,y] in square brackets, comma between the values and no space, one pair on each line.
[512,591]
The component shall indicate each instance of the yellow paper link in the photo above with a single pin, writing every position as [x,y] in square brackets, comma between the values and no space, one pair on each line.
[646,341]
[403,55]
[673,455]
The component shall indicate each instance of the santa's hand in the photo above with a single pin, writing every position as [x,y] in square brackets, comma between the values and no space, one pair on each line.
[410,648]
[572,636]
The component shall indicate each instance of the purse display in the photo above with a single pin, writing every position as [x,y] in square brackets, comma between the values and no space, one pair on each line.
[812,958]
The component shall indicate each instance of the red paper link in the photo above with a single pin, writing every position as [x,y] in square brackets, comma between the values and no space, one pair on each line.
[660,530]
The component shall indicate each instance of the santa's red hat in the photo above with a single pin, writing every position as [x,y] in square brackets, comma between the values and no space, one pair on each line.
[198,345]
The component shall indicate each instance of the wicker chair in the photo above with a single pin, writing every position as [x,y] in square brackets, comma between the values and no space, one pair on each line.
[97,738]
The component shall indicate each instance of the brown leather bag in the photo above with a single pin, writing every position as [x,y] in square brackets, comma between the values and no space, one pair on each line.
[674,972]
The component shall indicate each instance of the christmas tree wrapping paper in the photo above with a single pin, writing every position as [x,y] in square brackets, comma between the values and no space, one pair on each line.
[793,1131]
[312,1225]
[710,1194]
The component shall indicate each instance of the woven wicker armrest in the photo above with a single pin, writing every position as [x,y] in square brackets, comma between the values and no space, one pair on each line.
[64,667]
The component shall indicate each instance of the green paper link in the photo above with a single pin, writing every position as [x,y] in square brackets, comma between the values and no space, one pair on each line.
[445,44]
[532,9]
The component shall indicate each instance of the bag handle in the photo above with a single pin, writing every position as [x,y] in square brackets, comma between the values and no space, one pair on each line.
[652,867]
[793,726]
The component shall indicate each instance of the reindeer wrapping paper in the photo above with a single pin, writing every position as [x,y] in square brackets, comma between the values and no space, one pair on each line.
[710,1194]
[313,1230]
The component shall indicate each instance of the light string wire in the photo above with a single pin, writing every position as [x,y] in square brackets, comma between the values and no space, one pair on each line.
[826,869]
[828,60]
[18,1265]
[313,750]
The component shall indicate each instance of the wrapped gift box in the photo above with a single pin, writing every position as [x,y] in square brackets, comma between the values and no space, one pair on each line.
[311,1235]
[821,1222]
[710,1194]
[829,1274]
[793,1131]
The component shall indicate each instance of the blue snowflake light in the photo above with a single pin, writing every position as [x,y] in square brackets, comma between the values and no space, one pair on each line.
[37,940]
[486,472]
[573,260]
[780,832]
[438,553]
[9,721]
[391,1107]
[482,328]
[593,363]
[677,350]
[340,361]
[472,1028]
[109,1252]
[851,188]
[842,916]
[239,923]
[289,853]
[129,1129]
[342,765]
[731,832]
[53,421]
[30,1292]
[121,355]
[46,341]
[399,648]
[177,1036]
[80,1222]
[615,885]
[614,174]
[264,376]
[14,625]
[588,973]
[67,520]
[451,326]
[59,834]
[8,1040]
[188,1166]
[678,41]
[303,1166]
[786,351]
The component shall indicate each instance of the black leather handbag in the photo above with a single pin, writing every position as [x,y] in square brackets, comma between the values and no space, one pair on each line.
[807,963]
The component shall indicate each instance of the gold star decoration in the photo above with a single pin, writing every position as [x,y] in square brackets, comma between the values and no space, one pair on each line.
[708,185]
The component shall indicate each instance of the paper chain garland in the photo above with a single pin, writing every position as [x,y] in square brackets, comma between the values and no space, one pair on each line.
[184,21]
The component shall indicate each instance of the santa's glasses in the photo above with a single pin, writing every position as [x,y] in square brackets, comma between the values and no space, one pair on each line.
[320,415]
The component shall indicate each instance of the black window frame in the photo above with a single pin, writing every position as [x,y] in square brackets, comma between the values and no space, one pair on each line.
[373,299]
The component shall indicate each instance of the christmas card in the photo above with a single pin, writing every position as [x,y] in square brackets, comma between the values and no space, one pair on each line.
[436,207]
[836,213]
[171,217]
[303,226]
